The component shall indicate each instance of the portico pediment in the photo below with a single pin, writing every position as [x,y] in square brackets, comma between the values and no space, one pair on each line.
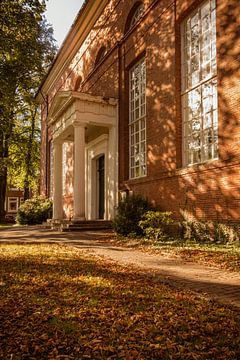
[71,107]
[81,103]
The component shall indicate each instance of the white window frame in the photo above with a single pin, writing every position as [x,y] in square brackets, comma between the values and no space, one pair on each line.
[12,199]
[205,135]
[137,122]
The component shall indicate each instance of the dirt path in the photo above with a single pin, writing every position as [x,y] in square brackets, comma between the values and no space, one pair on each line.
[223,286]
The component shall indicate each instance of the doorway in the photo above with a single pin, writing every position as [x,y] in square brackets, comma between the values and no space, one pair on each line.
[101,186]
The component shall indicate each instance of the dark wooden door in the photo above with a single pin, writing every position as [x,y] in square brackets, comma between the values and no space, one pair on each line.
[101,187]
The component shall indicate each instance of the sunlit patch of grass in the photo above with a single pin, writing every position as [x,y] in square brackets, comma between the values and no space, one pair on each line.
[6,225]
[59,303]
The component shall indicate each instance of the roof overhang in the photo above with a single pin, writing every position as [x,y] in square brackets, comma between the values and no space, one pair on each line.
[85,20]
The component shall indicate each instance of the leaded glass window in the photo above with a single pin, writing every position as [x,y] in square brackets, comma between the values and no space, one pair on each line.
[137,15]
[137,123]
[199,85]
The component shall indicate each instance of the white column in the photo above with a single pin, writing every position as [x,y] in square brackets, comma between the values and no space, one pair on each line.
[79,172]
[112,171]
[57,178]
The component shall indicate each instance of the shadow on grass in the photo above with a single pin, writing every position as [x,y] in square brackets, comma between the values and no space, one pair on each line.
[58,302]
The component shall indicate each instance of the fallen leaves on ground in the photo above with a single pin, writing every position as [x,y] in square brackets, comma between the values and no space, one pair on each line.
[57,303]
[220,256]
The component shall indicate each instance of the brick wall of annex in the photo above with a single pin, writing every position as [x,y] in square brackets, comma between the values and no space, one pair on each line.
[210,190]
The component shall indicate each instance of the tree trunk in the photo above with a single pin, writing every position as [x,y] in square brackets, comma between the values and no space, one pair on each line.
[3,174]
[29,157]
[3,188]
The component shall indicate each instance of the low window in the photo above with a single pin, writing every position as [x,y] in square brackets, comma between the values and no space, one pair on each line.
[12,204]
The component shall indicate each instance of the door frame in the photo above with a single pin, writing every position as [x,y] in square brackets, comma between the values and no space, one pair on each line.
[96,149]
[98,186]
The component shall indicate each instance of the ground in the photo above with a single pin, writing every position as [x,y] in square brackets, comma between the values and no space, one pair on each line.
[58,301]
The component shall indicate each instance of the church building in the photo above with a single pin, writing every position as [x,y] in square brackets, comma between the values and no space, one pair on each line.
[143,97]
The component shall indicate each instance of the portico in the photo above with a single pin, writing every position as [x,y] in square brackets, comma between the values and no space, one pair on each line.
[89,124]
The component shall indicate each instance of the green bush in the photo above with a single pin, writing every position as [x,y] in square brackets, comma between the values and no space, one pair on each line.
[198,231]
[129,212]
[226,234]
[34,211]
[154,224]
[210,232]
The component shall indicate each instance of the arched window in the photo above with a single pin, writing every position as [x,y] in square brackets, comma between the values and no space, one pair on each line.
[135,14]
[78,83]
[100,55]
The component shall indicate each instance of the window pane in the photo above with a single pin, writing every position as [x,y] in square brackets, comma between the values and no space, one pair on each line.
[199,45]
[137,126]
[199,84]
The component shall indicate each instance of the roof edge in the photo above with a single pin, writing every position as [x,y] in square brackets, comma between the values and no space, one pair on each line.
[80,28]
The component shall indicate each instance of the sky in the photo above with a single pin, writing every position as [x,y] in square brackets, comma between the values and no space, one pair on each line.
[61,14]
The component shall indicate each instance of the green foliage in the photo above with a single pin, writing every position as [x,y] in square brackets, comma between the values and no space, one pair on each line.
[129,212]
[34,211]
[26,50]
[24,151]
[226,234]
[198,231]
[154,224]
[210,232]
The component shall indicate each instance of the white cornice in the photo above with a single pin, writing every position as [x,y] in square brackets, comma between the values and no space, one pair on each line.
[64,99]
[75,38]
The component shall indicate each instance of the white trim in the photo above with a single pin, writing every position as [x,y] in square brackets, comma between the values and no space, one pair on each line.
[137,123]
[199,139]
[107,145]
[13,199]
[94,150]
[85,111]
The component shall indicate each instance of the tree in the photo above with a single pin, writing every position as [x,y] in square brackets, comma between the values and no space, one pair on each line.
[24,149]
[26,50]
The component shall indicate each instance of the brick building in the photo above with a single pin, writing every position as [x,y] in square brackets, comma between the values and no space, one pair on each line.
[14,198]
[144,96]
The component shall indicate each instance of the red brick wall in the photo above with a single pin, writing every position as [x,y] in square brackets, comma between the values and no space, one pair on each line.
[209,190]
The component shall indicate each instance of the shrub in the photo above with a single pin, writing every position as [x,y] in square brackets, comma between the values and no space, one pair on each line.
[198,231]
[226,234]
[154,224]
[34,211]
[209,231]
[129,212]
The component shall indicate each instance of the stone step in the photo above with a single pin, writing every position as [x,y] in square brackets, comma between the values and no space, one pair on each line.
[81,225]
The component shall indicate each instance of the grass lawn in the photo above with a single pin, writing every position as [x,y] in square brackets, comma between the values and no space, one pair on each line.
[59,304]
[4,225]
